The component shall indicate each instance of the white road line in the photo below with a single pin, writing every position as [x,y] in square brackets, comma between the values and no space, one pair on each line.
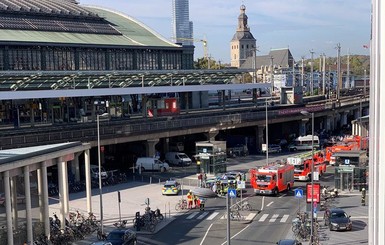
[207,232]
[284,218]
[274,218]
[212,216]
[263,218]
[203,215]
[263,203]
[282,196]
[250,216]
[269,204]
[192,215]
[236,234]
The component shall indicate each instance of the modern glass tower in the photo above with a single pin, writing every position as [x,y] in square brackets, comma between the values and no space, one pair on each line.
[182,26]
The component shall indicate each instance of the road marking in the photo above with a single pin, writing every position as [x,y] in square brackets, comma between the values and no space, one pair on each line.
[203,215]
[263,203]
[250,216]
[212,216]
[192,215]
[284,218]
[235,234]
[282,196]
[207,232]
[274,218]
[269,204]
[263,218]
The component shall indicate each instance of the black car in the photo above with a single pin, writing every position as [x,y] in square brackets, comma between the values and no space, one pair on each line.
[289,242]
[337,219]
[119,237]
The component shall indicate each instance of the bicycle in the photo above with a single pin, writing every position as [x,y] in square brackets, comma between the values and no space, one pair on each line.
[242,206]
[235,215]
[182,204]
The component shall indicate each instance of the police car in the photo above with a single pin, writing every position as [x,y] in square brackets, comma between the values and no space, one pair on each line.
[171,187]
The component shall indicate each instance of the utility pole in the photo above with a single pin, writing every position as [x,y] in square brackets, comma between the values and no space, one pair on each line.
[339,80]
[365,84]
[348,72]
[311,73]
[302,71]
[324,74]
[271,75]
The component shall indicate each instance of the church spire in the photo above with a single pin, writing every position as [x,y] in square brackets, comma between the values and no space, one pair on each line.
[242,20]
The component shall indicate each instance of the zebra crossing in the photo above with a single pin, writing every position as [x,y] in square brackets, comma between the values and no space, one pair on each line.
[270,218]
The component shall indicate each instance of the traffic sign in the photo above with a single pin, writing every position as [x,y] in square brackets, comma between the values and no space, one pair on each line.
[241,184]
[232,193]
[298,193]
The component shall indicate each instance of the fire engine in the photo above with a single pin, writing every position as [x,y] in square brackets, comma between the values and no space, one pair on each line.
[303,165]
[272,178]
[348,144]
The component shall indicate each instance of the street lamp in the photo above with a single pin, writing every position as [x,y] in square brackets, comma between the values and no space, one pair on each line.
[267,135]
[306,113]
[100,171]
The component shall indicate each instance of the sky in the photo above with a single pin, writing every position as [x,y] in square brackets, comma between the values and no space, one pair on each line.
[300,25]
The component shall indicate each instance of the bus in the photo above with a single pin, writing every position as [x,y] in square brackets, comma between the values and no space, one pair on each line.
[304,143]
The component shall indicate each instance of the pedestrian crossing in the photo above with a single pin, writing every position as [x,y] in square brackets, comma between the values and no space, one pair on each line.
[269,218]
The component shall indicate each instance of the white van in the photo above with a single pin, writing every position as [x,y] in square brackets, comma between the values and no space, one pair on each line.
[151,163]
[305,143]
[177,158]
[95,172]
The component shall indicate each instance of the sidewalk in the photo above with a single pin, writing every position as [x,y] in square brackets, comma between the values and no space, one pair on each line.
[351,203]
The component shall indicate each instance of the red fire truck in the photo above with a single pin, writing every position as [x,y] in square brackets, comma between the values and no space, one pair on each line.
[303,165]
[272,178]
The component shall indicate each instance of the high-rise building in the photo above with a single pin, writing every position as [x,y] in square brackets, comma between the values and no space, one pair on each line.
[243,43]
[182,26]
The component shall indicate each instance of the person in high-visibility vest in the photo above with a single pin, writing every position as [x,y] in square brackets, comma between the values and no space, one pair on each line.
[190,199]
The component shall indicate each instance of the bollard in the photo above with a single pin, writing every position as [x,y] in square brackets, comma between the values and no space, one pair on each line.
[363,197]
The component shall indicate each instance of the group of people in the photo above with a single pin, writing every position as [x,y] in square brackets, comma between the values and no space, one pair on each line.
[193,199]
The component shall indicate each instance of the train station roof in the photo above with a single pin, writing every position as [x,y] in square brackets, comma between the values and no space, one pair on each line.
[25,21]
[52,84]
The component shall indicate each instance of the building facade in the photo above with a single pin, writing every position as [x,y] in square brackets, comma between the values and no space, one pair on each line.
[182,26]
[243,44]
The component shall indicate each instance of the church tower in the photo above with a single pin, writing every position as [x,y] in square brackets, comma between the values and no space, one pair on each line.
[243,43]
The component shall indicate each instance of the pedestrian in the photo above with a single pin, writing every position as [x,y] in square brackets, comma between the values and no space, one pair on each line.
[190,199]
[196,199]
[204,180]
[214,188]
[200,179]
[202,204]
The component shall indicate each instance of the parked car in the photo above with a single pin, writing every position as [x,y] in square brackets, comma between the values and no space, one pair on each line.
[273,148]
[289,242]
[177,158]
[171,187]
[20,198]
[151,164]
[119,237]
[337,219]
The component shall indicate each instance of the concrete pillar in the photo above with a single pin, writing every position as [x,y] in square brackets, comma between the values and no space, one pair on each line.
[7,193]
[88,179]
[28,210]
[166,142]
[62,190]
[14,201]
[66,189]
[259,137]
[75,166]
[343,118]
[43,192]
[302,127]
[210,136]
[150,147]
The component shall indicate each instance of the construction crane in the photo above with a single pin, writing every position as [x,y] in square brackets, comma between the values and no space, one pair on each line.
[203,41]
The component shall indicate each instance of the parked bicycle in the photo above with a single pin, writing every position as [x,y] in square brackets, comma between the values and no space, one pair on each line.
[182,204]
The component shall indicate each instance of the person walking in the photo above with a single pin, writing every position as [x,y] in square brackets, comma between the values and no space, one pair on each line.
[190,199]
[200,179]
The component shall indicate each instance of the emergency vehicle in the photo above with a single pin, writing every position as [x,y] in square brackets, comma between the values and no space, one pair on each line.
[272,178]
[303,165]
[348,144]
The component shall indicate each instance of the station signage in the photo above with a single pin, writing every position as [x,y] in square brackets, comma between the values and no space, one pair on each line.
[316,191]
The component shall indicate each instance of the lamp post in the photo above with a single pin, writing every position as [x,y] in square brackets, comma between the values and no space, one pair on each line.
[267,135]
[100,171]
[306,113]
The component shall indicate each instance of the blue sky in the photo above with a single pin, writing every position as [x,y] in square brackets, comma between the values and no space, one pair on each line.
[301,25]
